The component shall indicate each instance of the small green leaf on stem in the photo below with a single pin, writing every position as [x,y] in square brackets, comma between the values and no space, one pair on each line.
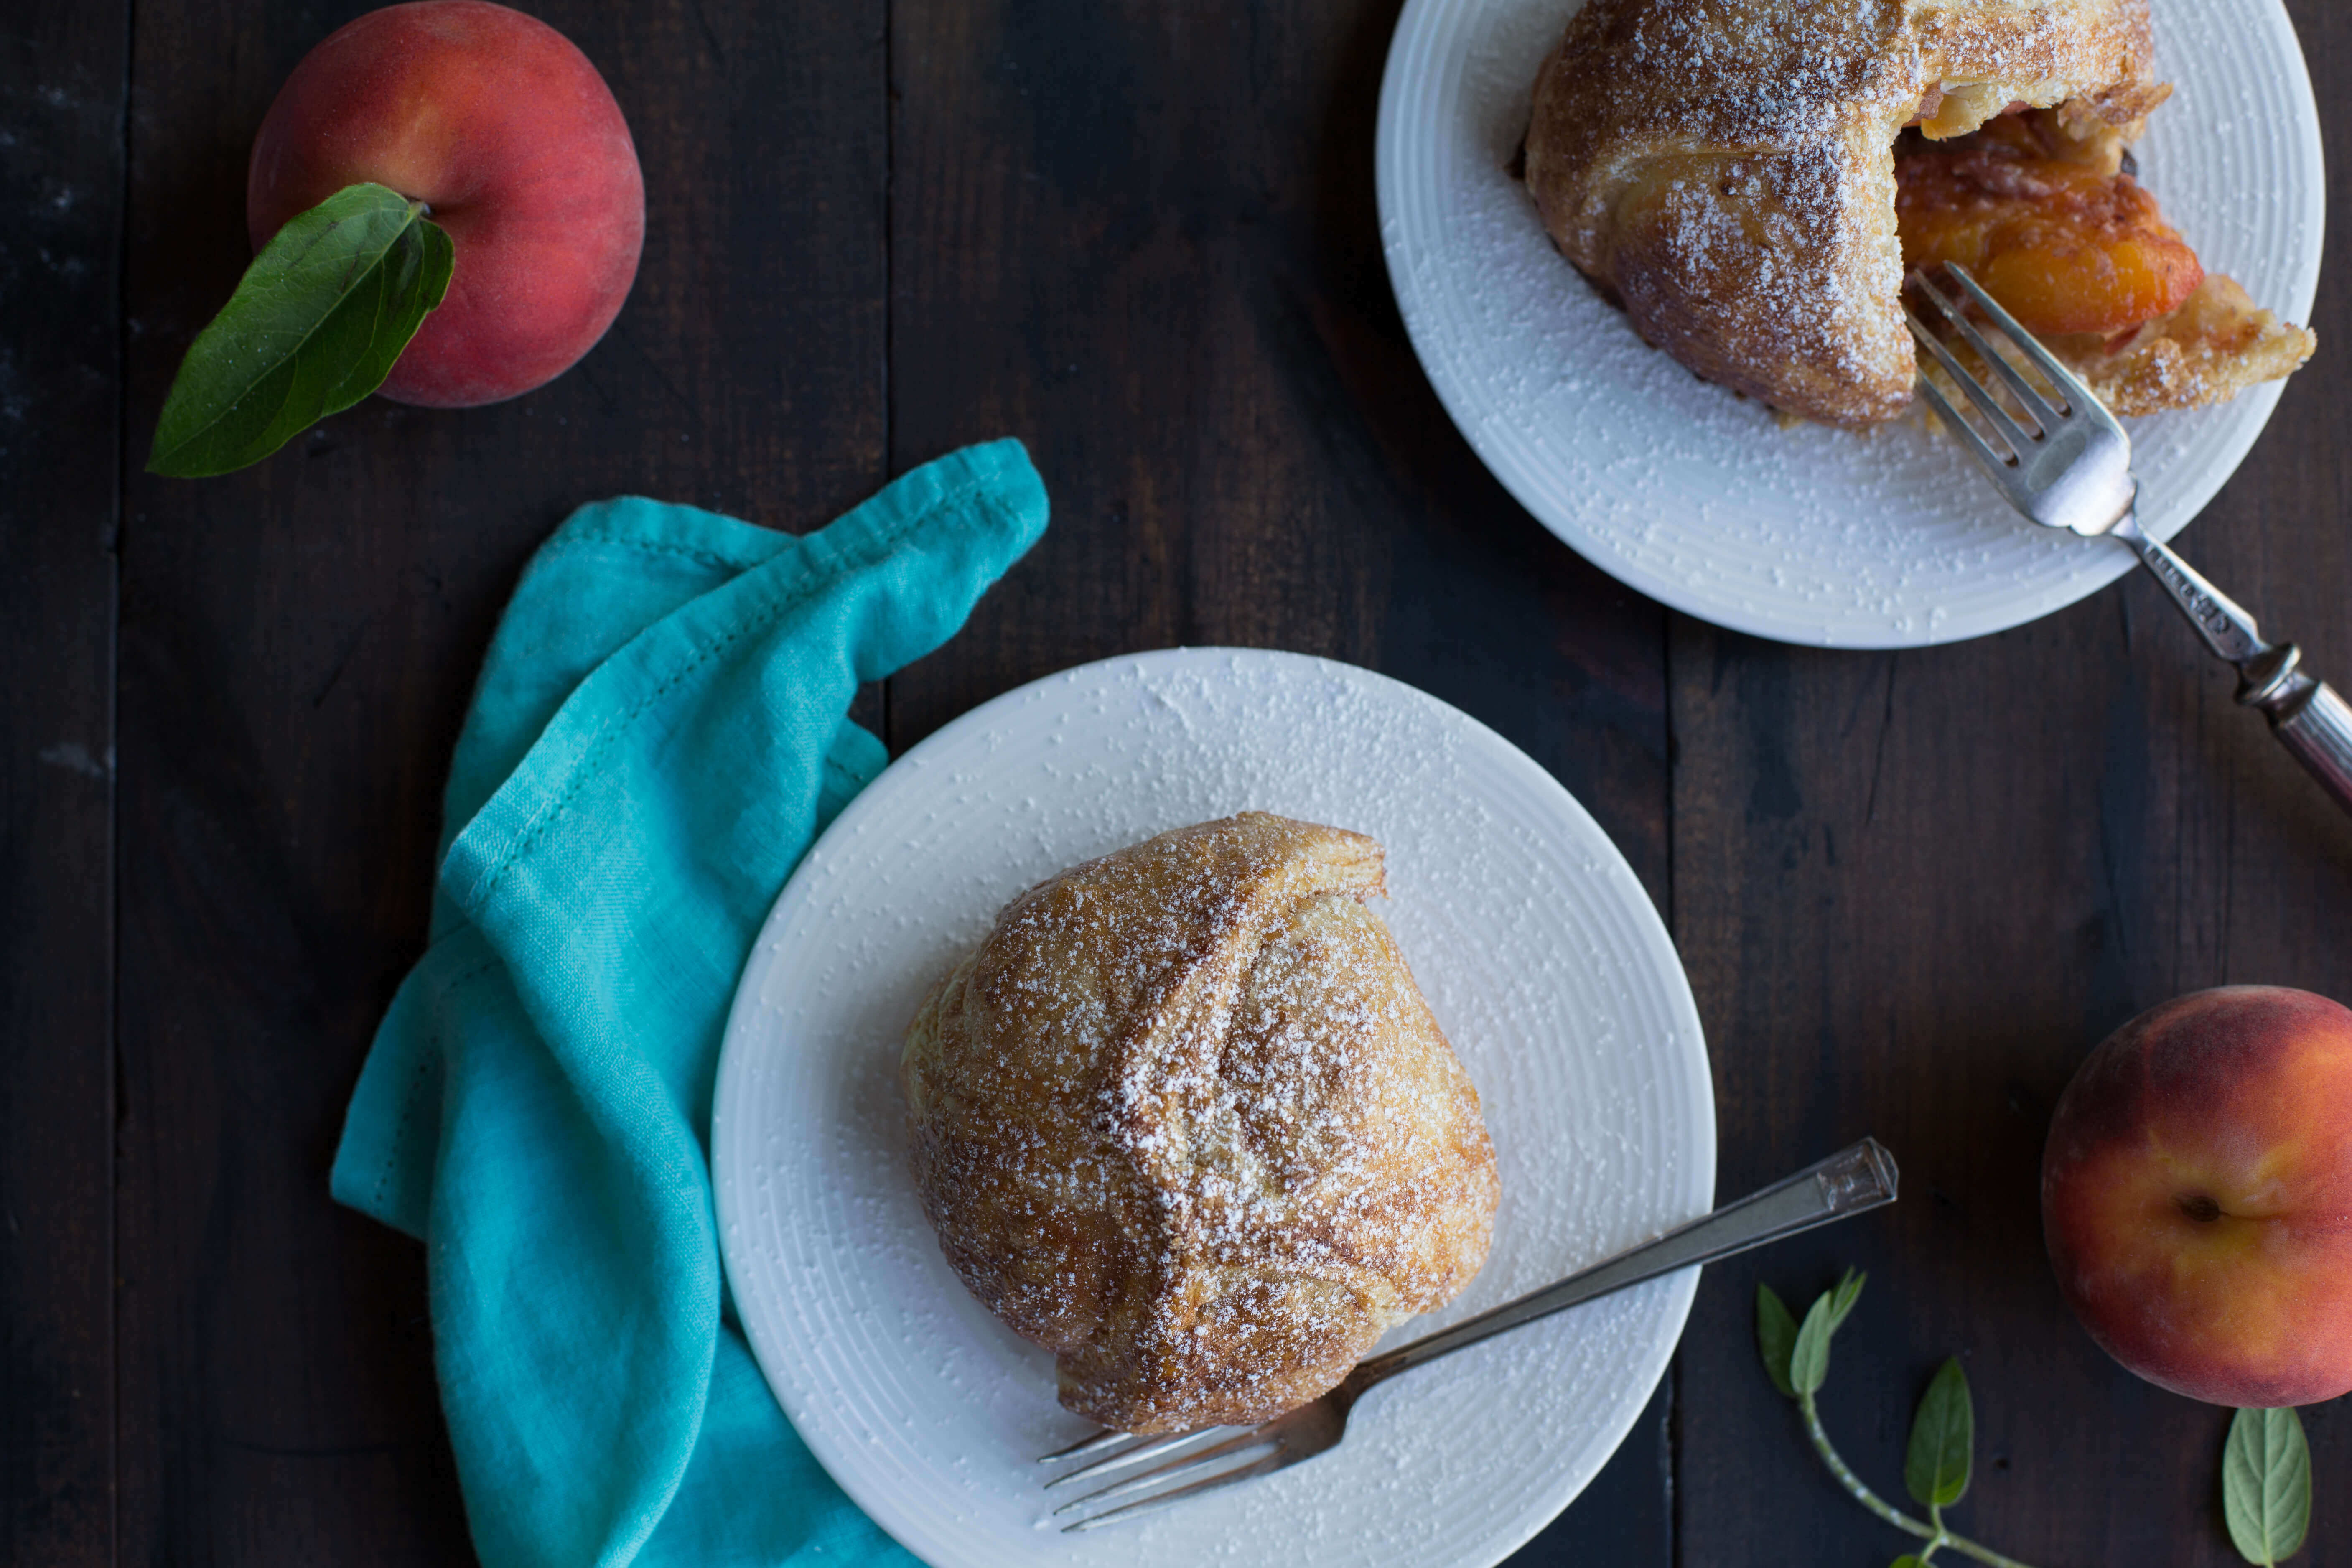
[315,325]
[1809,1362]
[1841,1299]
[2266,1484]
[1776,1337]
[1943,1440]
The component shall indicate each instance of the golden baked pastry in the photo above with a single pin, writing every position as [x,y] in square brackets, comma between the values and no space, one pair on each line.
[1185,1120]
[1727,171]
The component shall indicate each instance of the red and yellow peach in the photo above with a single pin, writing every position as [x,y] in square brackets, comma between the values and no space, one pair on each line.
[2196,1195]
[505,132]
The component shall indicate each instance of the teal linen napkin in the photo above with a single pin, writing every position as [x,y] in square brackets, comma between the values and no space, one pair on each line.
[659,731]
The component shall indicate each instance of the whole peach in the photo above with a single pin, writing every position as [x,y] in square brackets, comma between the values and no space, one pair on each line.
[2196,1195]
[505,132]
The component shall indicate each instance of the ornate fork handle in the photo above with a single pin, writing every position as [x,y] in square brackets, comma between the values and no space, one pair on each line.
[1862,1177]
[2306,713]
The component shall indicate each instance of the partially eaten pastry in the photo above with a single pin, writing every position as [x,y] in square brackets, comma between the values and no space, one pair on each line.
[1185,1120]
[1752,179]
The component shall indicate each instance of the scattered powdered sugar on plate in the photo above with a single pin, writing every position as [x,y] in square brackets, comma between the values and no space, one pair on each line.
[1536,947]
[1884,540]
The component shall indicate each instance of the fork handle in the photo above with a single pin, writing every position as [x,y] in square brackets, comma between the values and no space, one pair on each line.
[2306,713]
[1847,1182]
[2220,620]
[2307,716]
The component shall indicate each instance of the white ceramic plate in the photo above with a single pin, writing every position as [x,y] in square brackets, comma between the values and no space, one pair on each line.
[1810,535]
[1535,946]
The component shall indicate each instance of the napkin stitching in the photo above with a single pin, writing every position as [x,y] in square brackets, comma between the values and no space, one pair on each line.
[650,547]
[865,552]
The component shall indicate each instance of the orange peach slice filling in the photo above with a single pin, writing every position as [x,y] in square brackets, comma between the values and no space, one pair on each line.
[2067,246]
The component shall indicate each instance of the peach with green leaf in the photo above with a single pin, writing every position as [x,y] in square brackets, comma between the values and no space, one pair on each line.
[447,208]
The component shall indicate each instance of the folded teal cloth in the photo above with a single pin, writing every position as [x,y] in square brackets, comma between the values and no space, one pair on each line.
[658,732]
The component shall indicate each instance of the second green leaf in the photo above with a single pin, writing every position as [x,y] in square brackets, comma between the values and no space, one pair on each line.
[1943,1440]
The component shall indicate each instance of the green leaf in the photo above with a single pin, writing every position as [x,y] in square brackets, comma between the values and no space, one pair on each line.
[315,325]
[2266,1484]
[1808,1359]
[1808,1363]
[1776,1337]
[1908,1561]
[1841,1299]
[1943,1440]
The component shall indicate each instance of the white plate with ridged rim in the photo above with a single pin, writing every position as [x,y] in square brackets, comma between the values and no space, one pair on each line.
[1538,949]
[1700,499]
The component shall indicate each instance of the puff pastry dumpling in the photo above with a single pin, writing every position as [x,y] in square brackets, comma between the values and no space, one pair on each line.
[1185,1119]
[1726,170]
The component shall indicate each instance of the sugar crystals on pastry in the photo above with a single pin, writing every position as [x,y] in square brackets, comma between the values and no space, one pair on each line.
[1185,1119]
[1752,179]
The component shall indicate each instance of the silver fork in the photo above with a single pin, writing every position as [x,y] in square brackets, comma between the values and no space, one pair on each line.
[1847,1182]
[2067,464]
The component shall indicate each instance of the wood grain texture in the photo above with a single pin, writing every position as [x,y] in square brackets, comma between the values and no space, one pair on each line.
[1912,891]
[297,642]
[61,97]
[1144,239]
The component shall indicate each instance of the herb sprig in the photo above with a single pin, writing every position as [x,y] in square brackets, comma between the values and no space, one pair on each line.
[2266,1466]
[1936,1467]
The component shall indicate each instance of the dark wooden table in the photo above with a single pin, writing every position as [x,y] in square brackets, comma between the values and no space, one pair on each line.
[1911,888]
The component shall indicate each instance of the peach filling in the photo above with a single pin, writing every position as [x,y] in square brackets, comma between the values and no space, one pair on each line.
[2066,245]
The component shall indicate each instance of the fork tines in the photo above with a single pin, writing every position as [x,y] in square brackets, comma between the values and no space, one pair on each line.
[2071,397]
[1242,1453]
[2061,458]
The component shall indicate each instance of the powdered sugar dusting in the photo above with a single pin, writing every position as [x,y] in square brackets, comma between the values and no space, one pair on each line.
[1185,1119]
[1538,954]
[1721,166]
